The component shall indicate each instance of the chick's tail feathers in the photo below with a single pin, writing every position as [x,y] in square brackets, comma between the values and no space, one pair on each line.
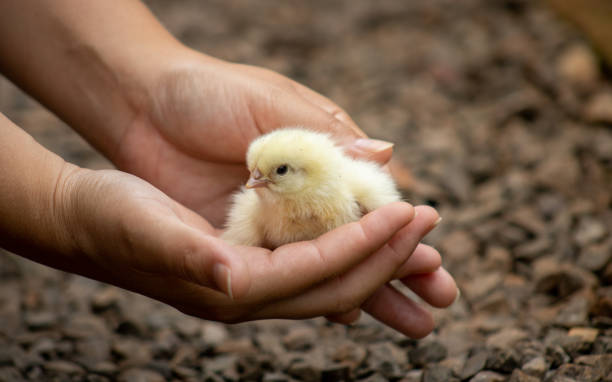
[372,187]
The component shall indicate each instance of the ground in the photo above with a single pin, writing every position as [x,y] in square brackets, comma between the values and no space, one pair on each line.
[503,114]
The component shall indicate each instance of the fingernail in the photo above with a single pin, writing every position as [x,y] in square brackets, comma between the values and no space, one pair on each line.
[223,279]
[458,295]
[437,221]
[373,145]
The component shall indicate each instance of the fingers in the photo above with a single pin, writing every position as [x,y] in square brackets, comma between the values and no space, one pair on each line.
[348,291]
[425,259]
[345,318]
[437,288]
[292,268]
[392,308]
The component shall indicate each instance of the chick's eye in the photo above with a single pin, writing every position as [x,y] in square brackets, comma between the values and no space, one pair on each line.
[282,170]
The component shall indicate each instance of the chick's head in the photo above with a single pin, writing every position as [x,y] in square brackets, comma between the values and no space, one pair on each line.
[292,160]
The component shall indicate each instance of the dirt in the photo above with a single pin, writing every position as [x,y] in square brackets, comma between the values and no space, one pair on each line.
[503,114]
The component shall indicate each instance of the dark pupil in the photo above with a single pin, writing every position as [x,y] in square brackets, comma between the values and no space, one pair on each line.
[282,170]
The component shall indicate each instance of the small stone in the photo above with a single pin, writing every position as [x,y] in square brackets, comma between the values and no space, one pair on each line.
[132,352]
[589,231]
[503,360]
[350,353]
[521,376]
[304,371]
[438,373]
[140,375]
[275,377]
[601,363]
[188,327]
[220,364]
[578,65]
[93,350]
[536,367]
[506,338]
[557,356]
[40,320]
[458,246]
[533,248]
[184,373]
[498,259]
[63,367]
[104,368]
[560,279]
[585,334]
[475,363]
[105,298]
[214,333]
[576,373]
[575,312]
[85,326]
[300,338]
[595,257]
[413,376]
[599,108]
[481,286]
[235,346]
[488,376]
[426,353]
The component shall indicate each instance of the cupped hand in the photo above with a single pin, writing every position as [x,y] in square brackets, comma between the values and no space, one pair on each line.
[189,140]
[136,237]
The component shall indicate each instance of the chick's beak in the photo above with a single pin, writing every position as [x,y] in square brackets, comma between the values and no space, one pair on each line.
[256,180]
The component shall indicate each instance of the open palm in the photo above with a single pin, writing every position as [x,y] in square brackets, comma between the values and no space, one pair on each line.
[192,137]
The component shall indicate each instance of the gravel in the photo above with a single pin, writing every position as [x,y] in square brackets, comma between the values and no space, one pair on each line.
[502,113]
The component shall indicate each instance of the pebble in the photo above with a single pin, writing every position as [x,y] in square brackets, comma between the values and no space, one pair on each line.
[585,334]
[350,353]
[40,320]
[521,376]
[63,367]
[140,375]
[506,338]
[340,373]
[304,371]
[589,231]
[236,346]
[275,377]
[438,373]
[475,363]
[214,333]
[488,376]
[105,298]
[536,366]
[599,108]
[428,352]
[300,338]
[578,65]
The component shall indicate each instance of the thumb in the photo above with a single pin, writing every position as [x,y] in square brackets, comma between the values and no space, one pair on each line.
[169,247]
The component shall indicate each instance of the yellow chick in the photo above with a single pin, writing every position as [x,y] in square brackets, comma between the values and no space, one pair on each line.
[301,186]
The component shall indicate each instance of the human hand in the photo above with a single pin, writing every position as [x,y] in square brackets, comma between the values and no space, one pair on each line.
[200,120]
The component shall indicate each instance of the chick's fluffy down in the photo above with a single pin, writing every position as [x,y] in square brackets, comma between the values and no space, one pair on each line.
[306,186]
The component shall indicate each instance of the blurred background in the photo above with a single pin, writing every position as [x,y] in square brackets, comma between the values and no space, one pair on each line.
[501,111]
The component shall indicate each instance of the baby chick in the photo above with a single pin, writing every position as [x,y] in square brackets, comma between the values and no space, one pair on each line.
[301,186]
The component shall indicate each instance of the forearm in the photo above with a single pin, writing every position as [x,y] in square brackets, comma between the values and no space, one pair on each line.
[31,190]
[88,61]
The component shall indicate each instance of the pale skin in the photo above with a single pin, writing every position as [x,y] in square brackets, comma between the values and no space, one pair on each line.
[177,124]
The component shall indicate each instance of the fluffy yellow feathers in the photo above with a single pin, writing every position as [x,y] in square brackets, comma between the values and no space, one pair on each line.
[301,186]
